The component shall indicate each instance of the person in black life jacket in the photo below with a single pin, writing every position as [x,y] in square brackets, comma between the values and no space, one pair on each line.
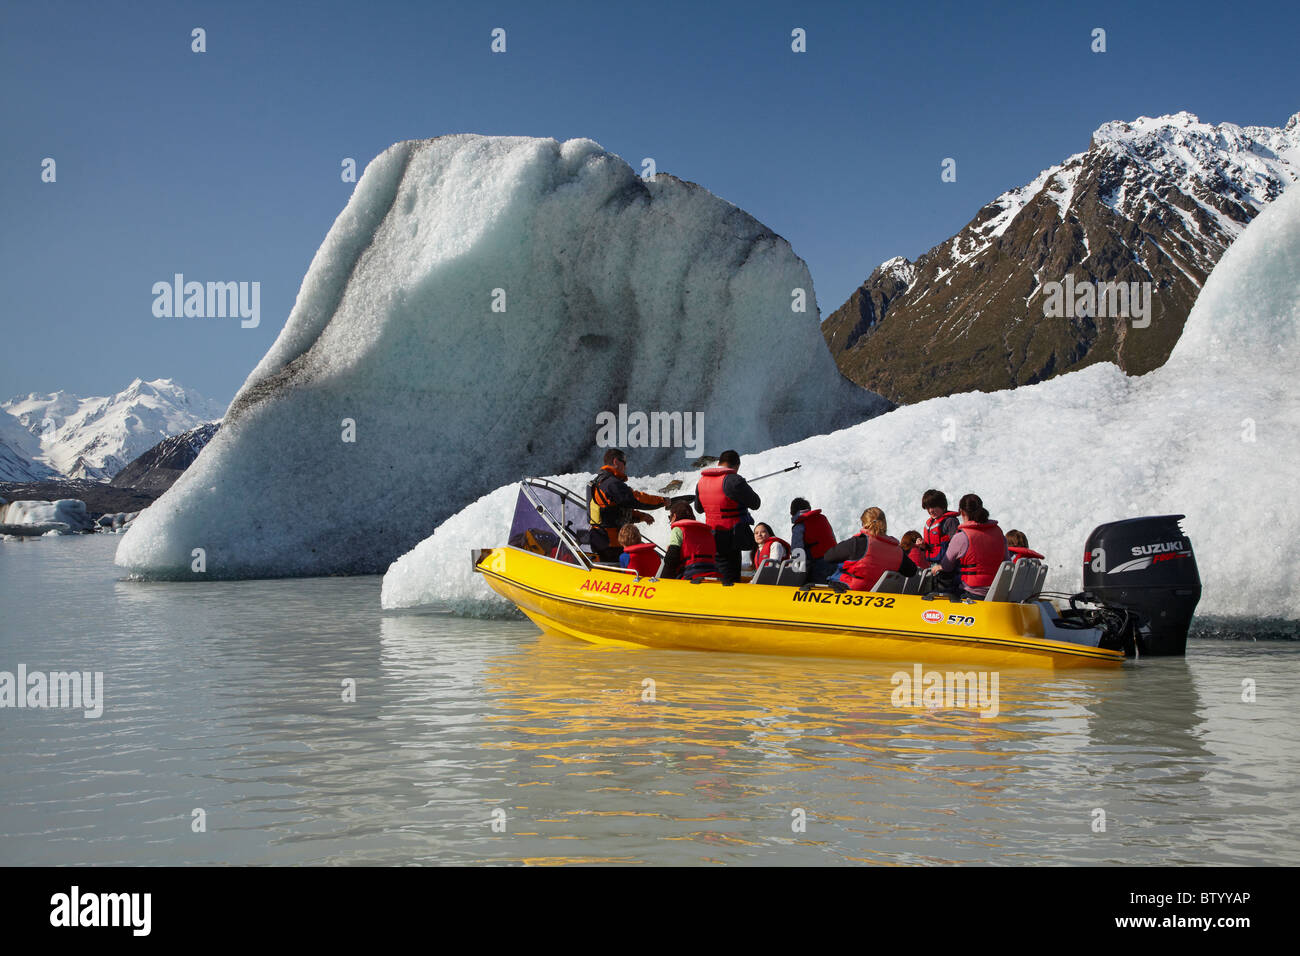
[612,504]
[723,497]
[1018,546]
[691,550]
[813,534]
[869,554]
[977,550]
[940,526]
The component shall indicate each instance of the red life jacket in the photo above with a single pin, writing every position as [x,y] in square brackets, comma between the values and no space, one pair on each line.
[642,559]
[917,554]
[985,553]
[933,539]
[761,554]
[818,535]
[883,554]
[698,549]
[719,510]
[1018,553]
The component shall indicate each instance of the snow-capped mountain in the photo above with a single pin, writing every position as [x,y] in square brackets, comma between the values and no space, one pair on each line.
[97,437]
[18,452]
[1154,200]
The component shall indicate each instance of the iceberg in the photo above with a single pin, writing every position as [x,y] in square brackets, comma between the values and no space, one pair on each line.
[1213,434]
[65,516]
[475,309]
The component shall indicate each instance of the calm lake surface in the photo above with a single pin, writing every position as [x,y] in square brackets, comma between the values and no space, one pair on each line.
[487,742]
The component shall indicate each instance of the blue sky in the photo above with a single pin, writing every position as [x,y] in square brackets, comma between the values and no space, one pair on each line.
[225,165]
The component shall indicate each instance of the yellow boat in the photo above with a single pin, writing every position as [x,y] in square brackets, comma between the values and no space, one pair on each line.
[548,574]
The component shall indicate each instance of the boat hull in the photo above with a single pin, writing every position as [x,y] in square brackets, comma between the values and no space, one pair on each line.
[608,607]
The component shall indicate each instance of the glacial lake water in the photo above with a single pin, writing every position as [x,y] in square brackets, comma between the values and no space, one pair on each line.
[487,742]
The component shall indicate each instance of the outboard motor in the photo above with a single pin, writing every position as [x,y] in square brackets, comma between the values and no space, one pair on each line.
[1146,566]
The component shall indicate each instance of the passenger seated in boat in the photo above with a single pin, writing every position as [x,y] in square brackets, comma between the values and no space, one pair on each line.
[770,547]
[691,551]
[940,526]
[813,534]
[911,545]
[975,552]
[638,555]
[867,555]
[1018,545]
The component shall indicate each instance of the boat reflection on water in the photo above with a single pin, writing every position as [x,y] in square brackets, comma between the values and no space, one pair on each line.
[661,756]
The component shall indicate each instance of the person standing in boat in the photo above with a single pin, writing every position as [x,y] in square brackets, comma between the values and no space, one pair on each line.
[869,554]
[813,534]
[723,497]
[977,549]
[612,504]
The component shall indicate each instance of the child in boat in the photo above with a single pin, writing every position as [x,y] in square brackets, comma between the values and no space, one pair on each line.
[1018,545]
[911,545]
[638,555]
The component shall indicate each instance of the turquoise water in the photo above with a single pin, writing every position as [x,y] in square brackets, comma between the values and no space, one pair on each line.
[485,741]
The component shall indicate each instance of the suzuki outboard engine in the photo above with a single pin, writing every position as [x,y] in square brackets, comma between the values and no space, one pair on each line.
[1146,566]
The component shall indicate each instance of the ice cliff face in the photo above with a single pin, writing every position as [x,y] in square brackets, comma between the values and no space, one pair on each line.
[475,307]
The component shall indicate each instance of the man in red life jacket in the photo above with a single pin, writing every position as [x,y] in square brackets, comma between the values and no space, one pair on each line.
[868,554]
[611,504]
[811,532]
[977,550]
[691,551]
[1018,545]
[939,527]
[723,497]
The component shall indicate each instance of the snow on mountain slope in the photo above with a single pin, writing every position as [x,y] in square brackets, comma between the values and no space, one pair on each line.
[18,453]
[1213,434]
[1154,201]
[96,437]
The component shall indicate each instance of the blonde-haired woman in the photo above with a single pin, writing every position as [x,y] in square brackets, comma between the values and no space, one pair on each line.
[869,554]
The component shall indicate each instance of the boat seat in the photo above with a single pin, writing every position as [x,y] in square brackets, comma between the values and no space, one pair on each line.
[1000,589]
[891,582]
[792,574]
[1022,581]
[1041,580]
[913,584]
[767,572]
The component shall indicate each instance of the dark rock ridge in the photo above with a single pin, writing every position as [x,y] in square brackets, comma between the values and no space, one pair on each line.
[161,465]
[1155,200]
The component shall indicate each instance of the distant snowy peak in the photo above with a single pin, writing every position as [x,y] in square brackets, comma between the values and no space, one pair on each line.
[1155,200]
[96,437]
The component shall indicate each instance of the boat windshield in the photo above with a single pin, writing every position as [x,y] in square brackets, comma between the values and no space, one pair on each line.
[550,520]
